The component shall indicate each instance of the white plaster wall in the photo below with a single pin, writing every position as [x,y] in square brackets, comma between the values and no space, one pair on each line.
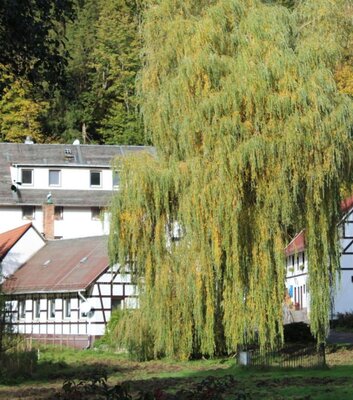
[343,299]
[297,276]
[11,217]
[76,222]
[72,178]
[22,251]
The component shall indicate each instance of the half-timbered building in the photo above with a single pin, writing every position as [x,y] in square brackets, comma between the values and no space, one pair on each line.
[297,282]
[66,292]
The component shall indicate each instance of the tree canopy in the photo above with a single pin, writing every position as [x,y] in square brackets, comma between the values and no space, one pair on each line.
[253,142]
[31,37]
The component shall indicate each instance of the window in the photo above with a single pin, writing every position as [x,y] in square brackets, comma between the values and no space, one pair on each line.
[36,309]
[27,177]
[28,212]
[58,212]
[51,308]
[116,178]
[95,213]
[67,308]
[117,303]
[22,309]
[83,314]
[95,178]
[54,177]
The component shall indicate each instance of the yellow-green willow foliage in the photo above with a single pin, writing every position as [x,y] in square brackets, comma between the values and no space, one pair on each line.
[252,139]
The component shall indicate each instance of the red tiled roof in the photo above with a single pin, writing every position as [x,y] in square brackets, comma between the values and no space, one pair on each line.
[347,204]
[61,266]
[10,238]
[298,243]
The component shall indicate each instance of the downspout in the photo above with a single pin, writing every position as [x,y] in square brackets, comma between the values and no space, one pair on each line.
[89,322]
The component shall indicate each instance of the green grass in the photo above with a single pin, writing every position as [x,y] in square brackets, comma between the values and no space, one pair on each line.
[55,365]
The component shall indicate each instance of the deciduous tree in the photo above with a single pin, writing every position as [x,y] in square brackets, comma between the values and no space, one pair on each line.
[253,140]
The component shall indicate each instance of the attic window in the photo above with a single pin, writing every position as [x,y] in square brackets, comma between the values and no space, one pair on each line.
[27,176]
[46,263]
[83,260]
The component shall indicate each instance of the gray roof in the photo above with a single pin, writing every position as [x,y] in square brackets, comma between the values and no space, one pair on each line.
[58,155]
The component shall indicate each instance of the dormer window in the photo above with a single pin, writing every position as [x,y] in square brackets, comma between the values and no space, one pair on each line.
[95,178]
[54,177]
[27,176]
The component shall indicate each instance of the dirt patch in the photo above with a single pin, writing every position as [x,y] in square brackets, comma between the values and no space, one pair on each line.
[311,381]
[29,393]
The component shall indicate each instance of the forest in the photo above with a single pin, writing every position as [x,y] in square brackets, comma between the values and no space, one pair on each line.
[68,71]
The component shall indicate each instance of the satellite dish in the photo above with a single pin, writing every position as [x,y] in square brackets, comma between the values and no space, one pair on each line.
[76,142]
[86,307]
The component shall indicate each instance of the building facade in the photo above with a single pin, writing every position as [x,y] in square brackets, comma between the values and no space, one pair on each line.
[78,179]
[66,292]
[297,273]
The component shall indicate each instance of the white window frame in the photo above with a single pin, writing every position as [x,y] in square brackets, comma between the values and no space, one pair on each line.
[58,213]
[81,314]
[115,178]
[67,308]
[59,178]
[94,216]
[36,309]
[32,176]
[51,308]
[100,178]
[22,309]
[28,216]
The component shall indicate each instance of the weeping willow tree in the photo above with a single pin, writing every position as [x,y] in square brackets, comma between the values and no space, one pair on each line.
[252,140]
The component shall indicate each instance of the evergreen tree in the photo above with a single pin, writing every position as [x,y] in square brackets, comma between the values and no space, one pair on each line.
[252,137]
[116,62]
[31,37]
[73,106]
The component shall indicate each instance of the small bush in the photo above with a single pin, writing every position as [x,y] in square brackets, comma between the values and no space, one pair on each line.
[129,330]
[298,332]
[343,320]
[17,365]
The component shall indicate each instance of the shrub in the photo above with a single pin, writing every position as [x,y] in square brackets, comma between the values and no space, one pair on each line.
[129,330]
[298,332]
[343,320]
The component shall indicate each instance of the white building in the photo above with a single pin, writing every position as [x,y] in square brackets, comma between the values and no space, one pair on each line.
[65,293]
[16,247]
[77,179]
[297,282]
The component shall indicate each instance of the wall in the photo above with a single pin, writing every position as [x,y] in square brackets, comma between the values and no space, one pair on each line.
[72,178]
[76,222]
[22,251]
[108,287]
[296,279]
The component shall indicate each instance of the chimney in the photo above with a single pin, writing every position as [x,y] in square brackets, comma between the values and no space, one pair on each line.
[48,220]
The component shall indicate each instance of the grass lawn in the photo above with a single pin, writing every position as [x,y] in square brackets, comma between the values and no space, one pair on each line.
[55,365]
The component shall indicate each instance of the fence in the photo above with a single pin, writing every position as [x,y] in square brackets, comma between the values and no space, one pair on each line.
[289,356]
